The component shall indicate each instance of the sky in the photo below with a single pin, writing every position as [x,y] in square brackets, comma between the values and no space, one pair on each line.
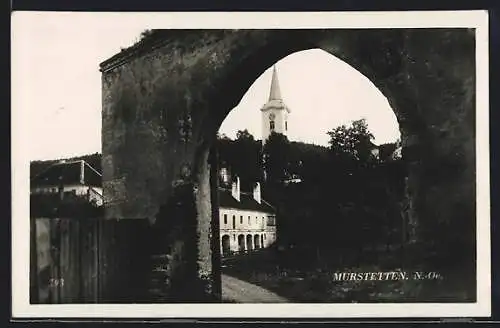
[322,92]
[58,88]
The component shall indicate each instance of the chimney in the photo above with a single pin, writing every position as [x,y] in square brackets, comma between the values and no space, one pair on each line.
[60,191]
[256,192]
[82,172]
[236,189]
[224,175]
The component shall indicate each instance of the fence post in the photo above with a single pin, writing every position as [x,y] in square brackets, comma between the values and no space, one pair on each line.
[34,299]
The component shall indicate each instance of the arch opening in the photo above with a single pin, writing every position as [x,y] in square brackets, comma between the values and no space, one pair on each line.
[226,245]
[276,91]
[249,243]
[241,243]
[256,241]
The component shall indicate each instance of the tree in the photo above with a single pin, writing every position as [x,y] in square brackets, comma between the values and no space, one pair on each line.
[276,158]
[308,162]
[146,33]
[244,135]
[247,159]
[222,136]
[352,142]
[242,157]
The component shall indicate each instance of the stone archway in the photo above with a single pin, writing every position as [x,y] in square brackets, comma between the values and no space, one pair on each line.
[165,97]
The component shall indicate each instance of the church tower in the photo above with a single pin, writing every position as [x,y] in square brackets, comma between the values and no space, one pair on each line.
[274,112]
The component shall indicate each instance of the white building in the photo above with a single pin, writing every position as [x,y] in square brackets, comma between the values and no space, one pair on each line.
[247,222]
[274,112]
[69,177]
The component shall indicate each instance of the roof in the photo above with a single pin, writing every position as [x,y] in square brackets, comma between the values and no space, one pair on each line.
[275,93]
[247,202]
[38,166]
[68,173]
[275,99]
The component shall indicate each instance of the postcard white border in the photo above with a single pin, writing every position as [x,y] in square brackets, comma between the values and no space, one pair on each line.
[237,20]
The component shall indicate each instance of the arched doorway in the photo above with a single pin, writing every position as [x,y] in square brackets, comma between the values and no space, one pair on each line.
[241,243]
[249,243]
[256,241]
[226,245]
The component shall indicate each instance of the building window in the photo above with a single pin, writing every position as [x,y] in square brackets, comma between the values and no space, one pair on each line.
[271,125]
[225,218]
[286,125]
[241,219]
[271,220]
[257,219]
[234,222]
[249,219]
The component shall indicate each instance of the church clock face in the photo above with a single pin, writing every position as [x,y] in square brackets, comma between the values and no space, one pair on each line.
[272,116]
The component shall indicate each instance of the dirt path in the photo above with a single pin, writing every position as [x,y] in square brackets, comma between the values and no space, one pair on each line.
[239,291]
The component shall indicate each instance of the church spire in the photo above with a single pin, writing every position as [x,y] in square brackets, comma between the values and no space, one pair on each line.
[274,112]
[275,93]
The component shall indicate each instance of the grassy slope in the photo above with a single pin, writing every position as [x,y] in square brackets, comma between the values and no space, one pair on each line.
[316,285]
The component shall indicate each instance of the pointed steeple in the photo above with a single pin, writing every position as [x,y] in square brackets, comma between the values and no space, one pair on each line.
[275,93]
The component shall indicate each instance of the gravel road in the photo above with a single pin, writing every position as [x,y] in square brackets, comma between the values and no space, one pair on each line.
[239,291]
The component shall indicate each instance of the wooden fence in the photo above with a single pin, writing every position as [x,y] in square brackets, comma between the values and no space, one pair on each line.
[65,259]
[82,259]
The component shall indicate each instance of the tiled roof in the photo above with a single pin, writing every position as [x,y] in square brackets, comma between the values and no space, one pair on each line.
[38,166]
[67,173]
[247,202]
